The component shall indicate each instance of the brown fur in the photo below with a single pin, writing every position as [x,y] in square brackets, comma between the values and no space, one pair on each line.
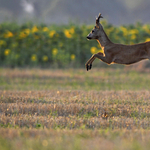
[116,53]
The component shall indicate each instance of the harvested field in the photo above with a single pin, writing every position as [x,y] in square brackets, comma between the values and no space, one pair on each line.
[72,109]
[44,139]
[77,79]
[75,109]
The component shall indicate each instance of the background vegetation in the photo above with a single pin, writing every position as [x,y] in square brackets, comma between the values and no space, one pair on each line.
[59,45]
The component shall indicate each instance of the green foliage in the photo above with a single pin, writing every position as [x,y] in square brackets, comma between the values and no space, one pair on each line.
[38,125]
[59,45]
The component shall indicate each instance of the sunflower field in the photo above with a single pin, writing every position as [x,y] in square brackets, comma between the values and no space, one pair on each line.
[59,46]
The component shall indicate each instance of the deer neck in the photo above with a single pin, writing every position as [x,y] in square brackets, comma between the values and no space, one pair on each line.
[103,39]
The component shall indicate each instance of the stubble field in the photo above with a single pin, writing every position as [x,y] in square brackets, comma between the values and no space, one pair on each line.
[74,109]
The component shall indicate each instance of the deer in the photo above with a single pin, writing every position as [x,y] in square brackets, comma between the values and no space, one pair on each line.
[116,53]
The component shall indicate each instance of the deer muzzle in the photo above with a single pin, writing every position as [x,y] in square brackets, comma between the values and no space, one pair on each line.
[88,37]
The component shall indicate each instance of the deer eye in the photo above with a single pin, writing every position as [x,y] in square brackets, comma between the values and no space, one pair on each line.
[92,31]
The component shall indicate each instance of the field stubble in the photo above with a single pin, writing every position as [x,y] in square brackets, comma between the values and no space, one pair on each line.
[35,103]
[74,79]
[75,109]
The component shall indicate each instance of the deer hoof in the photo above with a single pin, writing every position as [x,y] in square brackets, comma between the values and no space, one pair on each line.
[88,66]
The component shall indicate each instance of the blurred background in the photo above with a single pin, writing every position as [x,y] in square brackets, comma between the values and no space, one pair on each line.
[52,33]
[62,11]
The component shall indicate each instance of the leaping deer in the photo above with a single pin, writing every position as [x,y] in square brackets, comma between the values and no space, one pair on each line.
[116,53]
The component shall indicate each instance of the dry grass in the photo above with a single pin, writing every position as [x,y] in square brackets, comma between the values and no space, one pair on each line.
[75,109]
[56,109]
[16,139]
[79,79]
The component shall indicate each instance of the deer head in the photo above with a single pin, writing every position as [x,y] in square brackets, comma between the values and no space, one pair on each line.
[95,33]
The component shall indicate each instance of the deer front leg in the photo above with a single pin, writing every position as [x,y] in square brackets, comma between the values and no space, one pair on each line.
[99,56]
[88,64]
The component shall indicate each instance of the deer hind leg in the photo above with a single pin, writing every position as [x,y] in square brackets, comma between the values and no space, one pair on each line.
[90,61]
